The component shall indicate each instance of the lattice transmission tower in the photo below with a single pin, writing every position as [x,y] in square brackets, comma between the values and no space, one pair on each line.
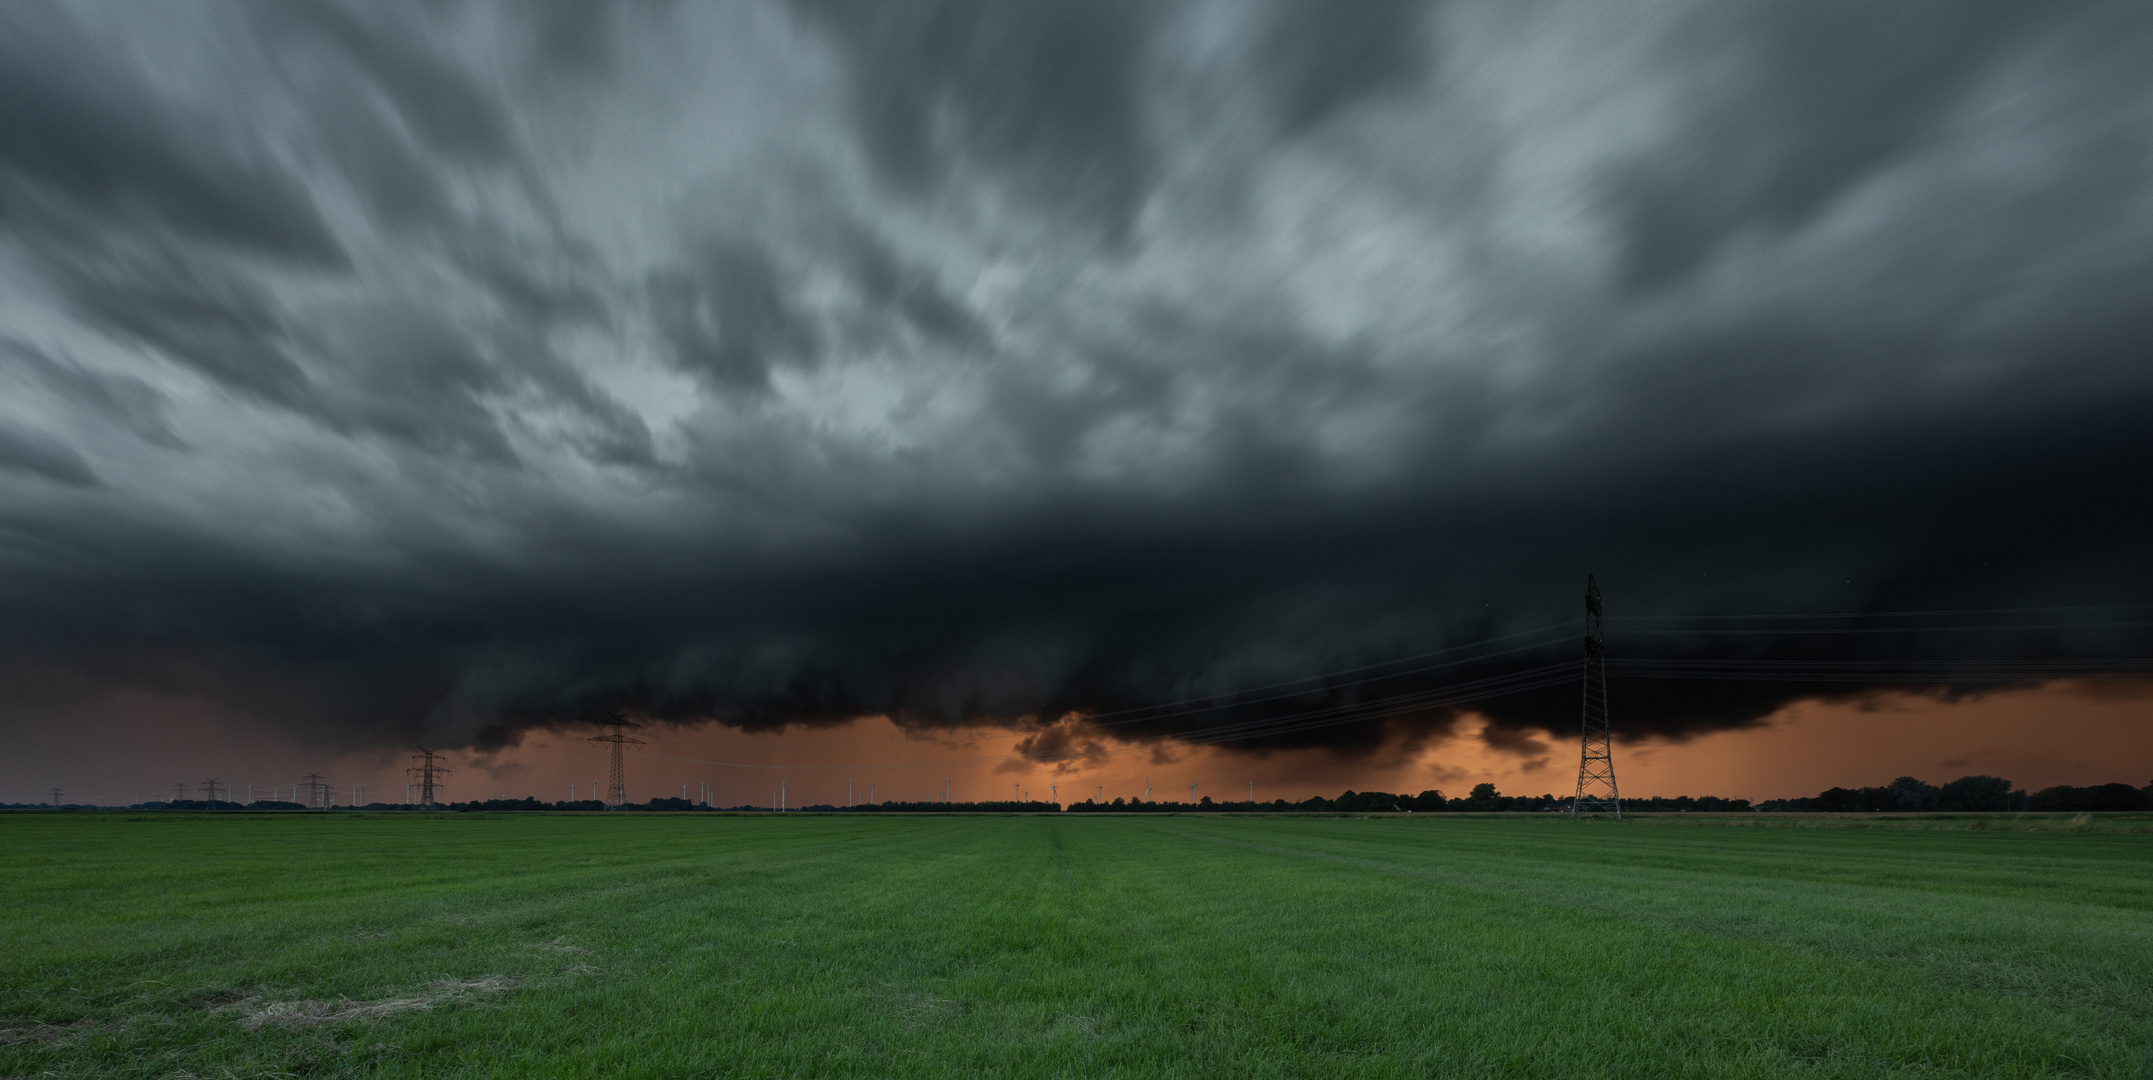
[427,775]
[1596,761]
[617,787]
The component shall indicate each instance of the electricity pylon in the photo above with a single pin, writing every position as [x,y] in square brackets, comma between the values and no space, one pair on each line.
[427,775]
[317,792]
[617,790]
[1596,761]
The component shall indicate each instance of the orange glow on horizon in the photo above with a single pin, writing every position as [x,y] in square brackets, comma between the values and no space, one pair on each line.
[2035,737]
[2086,733]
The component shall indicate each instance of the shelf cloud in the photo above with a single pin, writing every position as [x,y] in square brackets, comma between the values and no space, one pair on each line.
[385,371]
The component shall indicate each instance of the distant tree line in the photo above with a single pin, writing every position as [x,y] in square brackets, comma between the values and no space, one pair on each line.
[1006,806]
[1974,793]
[1967,793]
[1483,799]
[2066,799]
[213,805]
[668,803]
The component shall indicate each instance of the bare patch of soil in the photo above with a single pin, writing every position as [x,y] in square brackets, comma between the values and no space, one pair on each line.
[306,1013]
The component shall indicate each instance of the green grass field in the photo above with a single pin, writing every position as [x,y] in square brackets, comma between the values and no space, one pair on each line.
[1406,946]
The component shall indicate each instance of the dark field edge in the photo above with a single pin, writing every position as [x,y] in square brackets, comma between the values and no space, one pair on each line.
[2125,821]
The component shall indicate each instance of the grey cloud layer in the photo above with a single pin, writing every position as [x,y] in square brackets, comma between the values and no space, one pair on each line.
[389,369]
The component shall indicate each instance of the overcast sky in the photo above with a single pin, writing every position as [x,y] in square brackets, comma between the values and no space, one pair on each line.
[386,371]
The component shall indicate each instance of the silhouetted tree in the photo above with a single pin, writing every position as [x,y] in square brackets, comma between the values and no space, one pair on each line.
[2106,797]
[1975,793]
[1908,793]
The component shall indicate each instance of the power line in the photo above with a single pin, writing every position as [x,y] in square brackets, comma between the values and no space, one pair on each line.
[1215,703]
[1858,679]
[1962,628]
[1450,695]
[1501,685]
[1212,702]
[1890,614]
[2078,663]
[1324,716]
[1917,669]
[1459,694]
[1351,712]
[1521,681]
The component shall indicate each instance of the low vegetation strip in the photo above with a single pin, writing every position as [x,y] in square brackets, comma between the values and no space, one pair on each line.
[1975,794]
[1386,945]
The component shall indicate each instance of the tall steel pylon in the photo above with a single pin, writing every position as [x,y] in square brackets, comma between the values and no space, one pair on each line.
[1596,761]
[617,788]
[427,775]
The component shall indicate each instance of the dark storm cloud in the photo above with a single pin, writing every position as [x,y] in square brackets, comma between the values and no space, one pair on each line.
[1810,111]
[124,400]
[82,138]
[727,316]
[451,369]
[440,103]
[43,457]
[1320,63]
[732,309]
[1050,93]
